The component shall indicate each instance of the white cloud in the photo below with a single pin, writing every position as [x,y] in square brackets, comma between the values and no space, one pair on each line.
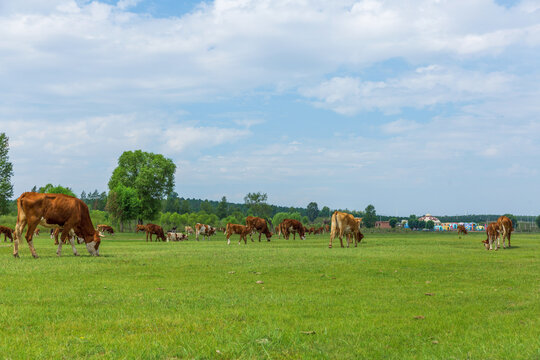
[427,86]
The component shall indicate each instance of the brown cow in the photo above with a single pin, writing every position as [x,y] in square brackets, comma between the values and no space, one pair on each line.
[53,210]
[258,224]
[188,230]
[492,232]
[345,224]
[505,228]
[8,233]
[289,226]
[461,229]
[205,230]
[153,229]
[36,232]
[237,229]
[105,228]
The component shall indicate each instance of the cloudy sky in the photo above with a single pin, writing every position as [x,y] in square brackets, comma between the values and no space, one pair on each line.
[412,106]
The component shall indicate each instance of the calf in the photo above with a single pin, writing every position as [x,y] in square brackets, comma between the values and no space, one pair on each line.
[8,233]
[174,236]
[105,228]
[153,229]
[289,226]
[492,232]
[188,230]
[237,229]
[461,230]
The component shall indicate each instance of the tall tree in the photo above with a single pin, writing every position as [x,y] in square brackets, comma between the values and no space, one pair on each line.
[222,208]
[370,216]
[256,203]
[312,211]
[325,212]
[173,203]
[538,221]
[207,207]
[151,175]
[393,222]
[6,172]
[58,189]
[184,207]
[123,204]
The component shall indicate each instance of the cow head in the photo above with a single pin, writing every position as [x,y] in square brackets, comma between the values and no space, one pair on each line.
[92,243]
[486,244]
[360,236]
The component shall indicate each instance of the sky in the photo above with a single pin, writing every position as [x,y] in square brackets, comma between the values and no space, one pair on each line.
[428,106]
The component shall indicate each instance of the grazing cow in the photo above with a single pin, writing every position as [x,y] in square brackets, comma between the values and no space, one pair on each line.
[153,229]
[258,224]
[461,230]
[326,228]
[188,230]
[505,228]
[36,233]
[205,230]
[289,226]
[54,210]
[345,224]
[237,229]
[8,233]
[140,228]
[105,228]
[492,232]
[278,231]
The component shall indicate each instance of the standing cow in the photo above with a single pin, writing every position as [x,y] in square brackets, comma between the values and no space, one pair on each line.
[205,230]
[505,228]
[345,224]
[237,229]
[53,210]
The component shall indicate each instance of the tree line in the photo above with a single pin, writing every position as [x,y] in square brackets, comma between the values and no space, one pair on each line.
[141,188]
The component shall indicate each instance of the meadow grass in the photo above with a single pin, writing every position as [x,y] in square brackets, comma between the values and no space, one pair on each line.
[201,299]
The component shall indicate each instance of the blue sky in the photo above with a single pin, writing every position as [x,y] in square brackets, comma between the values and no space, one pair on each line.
[428,106]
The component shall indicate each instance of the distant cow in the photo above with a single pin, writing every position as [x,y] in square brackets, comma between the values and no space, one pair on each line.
[54,210]
[505,228]
[492,232]
[105,228]
[72,236]
[237,229]
[291,226]
[174,236]
[153,229]
[205,230]
[188,230]
[8,233]
[345,224]
[258,224]
[461,229]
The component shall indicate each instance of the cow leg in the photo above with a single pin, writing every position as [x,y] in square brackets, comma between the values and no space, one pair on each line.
[19,227]
[509,235]
[72,241]
[29,238]
[260,237]
[229,239]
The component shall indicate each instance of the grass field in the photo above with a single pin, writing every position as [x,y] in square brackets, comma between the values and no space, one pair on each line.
[396,296]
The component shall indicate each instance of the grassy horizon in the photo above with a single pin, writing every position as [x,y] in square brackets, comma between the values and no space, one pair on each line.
[396,296]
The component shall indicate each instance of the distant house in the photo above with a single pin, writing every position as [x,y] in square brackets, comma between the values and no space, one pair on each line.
[383,224]
[429,217]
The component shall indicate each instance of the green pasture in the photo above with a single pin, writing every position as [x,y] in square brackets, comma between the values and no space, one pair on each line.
[396,296]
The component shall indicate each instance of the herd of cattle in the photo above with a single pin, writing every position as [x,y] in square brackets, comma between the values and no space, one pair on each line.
[69,219]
